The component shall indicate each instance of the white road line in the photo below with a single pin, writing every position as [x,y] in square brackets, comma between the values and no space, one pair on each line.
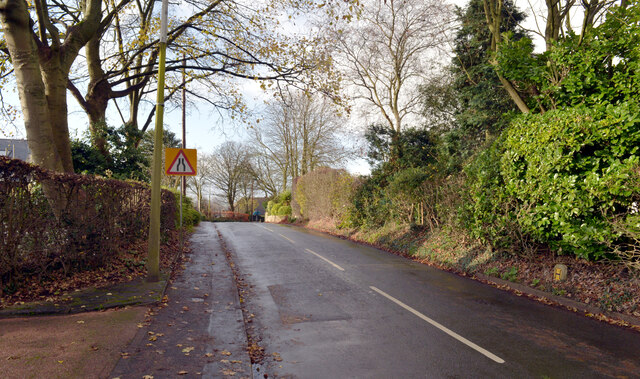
[453,334]
[287,238]
[264,227]
[325,259]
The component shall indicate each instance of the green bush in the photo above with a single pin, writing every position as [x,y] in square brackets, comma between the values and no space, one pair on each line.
[190,216]
[406,192]
[486,211]
[569,171]
[371,206]
[559,178]
[284,210]
[281,205]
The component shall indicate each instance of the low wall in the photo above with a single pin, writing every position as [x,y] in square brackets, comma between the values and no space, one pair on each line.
[275,219]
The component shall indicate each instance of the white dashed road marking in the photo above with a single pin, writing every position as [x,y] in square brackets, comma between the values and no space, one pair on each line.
[453,334]
[325,259]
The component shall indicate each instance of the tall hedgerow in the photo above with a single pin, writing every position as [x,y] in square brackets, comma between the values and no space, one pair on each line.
[559,178]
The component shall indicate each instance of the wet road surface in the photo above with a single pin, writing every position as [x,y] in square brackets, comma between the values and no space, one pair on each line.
[329,308]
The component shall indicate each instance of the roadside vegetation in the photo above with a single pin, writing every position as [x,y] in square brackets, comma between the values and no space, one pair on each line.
[492,152]
[517,180]
[99,237]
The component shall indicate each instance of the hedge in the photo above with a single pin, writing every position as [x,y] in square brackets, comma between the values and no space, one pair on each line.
[57,221]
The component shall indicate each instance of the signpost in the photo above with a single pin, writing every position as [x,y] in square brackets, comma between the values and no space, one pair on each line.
[182,162]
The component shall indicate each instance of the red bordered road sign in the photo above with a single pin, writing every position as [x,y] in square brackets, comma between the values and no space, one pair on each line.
[182,162]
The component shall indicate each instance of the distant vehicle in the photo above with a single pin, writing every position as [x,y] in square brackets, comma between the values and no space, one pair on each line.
[256,216]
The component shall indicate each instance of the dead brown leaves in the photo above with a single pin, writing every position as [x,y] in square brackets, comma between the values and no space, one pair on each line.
[127,265]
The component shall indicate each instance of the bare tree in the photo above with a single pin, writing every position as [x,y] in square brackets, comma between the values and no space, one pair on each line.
[215,41]
[203,179]
[389,52]
[229,163]
[301,132]
[210,37]
[267,172]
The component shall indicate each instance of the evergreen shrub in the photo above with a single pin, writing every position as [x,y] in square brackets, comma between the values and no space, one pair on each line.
[560,178]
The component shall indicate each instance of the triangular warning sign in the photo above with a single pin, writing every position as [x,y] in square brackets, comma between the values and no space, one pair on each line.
[181,165]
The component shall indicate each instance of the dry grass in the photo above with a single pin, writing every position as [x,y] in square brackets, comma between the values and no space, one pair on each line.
[611,286]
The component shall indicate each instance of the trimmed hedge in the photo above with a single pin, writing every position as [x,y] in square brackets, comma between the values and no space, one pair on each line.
[55,221]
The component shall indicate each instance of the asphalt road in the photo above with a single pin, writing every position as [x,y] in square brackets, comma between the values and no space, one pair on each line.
[329,308]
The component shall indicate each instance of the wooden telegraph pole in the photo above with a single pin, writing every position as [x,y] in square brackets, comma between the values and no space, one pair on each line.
[184,116]
[183,179]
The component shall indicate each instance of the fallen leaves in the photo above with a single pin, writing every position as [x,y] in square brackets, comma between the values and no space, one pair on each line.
[127,265]
[154,336]
[187,350]
[225,352]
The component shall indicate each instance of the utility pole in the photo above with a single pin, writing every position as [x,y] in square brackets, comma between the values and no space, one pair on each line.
[183,179]
[153,259]
[184,116]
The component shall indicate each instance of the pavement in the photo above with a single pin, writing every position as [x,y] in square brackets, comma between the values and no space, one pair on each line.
[198,329]
[194,326]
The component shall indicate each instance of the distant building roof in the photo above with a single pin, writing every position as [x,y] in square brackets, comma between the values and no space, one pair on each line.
[15,149]
[261,206]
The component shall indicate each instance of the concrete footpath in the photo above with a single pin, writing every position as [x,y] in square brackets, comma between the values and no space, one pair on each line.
[198,330]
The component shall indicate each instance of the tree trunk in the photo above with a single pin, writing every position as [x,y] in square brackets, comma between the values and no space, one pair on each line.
[513,93]
[554,22]
[493,14]
[42,74]
[31,88]
[55,83]
[98,95]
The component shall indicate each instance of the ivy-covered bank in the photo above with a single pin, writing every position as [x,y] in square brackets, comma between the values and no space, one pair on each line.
[509,183]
